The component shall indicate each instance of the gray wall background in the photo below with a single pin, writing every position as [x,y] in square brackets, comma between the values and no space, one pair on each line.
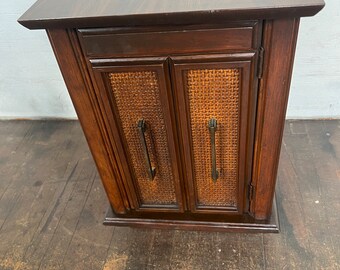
[31,85]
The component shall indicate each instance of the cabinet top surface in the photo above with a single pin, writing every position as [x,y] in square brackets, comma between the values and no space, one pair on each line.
[98,13]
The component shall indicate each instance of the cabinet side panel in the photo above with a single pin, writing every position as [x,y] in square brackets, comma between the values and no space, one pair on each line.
[79,92]
[279,41]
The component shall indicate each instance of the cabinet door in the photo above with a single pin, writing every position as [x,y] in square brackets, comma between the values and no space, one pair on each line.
[135,95]
[216,102]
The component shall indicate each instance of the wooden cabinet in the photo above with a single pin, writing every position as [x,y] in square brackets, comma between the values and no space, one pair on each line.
[183,113]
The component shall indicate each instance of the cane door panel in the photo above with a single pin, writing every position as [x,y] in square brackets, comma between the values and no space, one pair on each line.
[136,96]
[213,98]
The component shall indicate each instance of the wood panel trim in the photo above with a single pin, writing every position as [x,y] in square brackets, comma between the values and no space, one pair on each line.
[107,42]
[108,13]
[77,82]
[243,225]
[279,41]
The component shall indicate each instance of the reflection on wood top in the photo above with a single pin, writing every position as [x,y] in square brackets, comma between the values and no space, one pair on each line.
[97,13]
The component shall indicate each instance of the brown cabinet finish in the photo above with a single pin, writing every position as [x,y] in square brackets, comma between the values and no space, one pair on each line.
[183,108]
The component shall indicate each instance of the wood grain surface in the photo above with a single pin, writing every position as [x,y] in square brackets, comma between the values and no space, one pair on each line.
[77,81]
[80,13]
[279,41]
[52,204]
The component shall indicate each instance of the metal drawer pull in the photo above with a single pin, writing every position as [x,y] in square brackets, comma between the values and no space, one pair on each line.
[212,124]
[141,129]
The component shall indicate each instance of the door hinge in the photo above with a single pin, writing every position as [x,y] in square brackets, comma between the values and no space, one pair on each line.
[260,63]
[251,192]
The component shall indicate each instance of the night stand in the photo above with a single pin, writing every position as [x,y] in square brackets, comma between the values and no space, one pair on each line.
[182,103]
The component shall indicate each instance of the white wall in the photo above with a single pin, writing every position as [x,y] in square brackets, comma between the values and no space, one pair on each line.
[31,85]
[315,88]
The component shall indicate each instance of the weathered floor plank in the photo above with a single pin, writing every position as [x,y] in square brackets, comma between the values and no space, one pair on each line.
[52,205]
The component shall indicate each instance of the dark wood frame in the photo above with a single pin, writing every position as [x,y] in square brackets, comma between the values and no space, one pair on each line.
[76,76]
[102,60]
[85,14]
[272,225]
[278,41]
[174,40]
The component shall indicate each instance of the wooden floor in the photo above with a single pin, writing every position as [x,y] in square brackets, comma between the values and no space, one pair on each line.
[52,205]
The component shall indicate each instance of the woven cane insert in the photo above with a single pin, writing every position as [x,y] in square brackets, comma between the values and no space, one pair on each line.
[137,96]
[215,93]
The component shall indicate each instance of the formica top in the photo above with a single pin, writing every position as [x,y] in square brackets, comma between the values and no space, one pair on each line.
[100,13]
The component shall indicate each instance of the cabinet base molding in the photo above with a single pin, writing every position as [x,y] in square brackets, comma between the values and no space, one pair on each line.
[258,226]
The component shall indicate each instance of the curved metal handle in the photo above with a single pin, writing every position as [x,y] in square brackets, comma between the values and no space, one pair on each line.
[141,129]
[212,124]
